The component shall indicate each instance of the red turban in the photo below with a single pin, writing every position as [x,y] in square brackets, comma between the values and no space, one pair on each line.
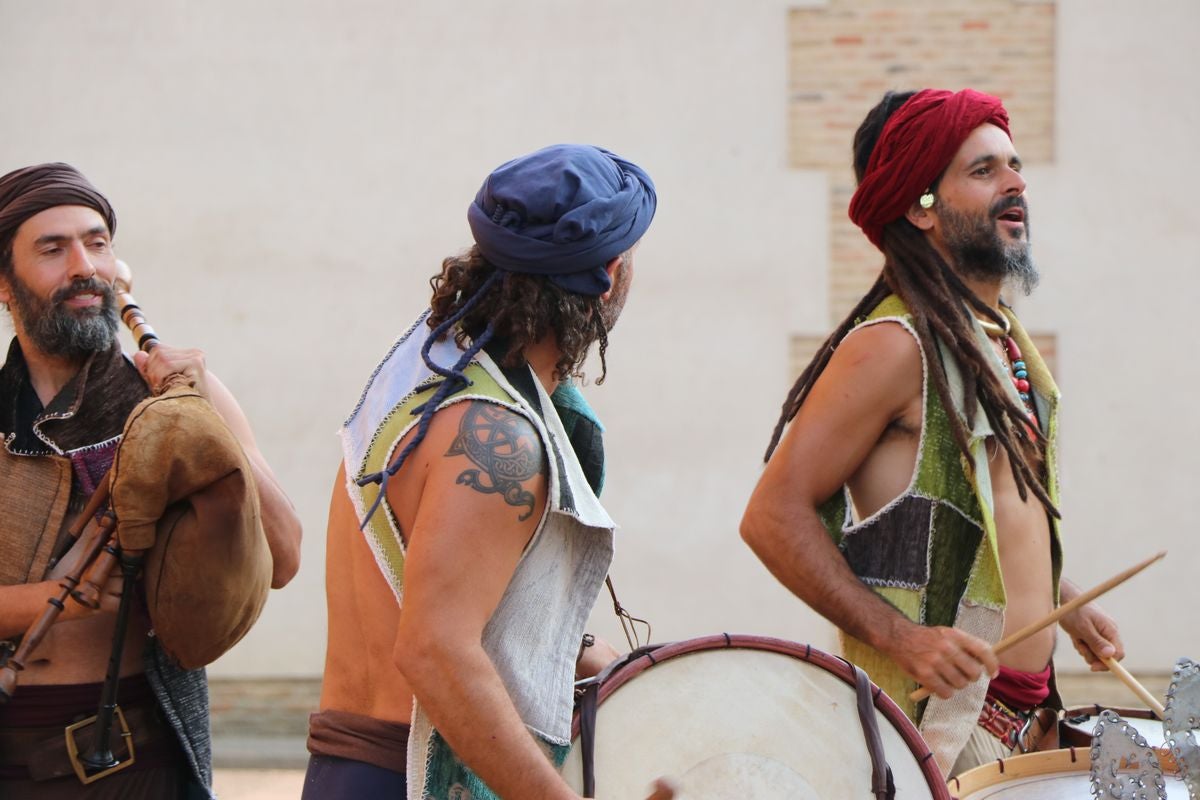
[915,147]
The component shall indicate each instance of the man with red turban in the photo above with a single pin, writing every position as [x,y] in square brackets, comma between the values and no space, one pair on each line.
[913,499]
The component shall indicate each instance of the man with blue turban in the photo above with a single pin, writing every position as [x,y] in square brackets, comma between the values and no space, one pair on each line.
[466,543]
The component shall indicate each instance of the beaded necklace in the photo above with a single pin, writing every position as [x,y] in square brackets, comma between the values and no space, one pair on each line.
[1016,364]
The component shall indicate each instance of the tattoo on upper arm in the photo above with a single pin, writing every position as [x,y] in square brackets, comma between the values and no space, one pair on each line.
[506,449]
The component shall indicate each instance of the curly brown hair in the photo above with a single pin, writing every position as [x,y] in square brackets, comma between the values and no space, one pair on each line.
[523,309]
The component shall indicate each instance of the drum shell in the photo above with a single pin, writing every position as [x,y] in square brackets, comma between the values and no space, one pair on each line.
[784,684]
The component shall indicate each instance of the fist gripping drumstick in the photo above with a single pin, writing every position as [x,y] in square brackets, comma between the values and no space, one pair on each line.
[1058,613]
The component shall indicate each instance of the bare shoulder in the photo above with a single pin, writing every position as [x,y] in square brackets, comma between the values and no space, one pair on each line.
[882,343]
[881,359]
[489,450]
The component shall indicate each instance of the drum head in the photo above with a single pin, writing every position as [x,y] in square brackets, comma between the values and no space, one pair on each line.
[1052,775]
[746,717]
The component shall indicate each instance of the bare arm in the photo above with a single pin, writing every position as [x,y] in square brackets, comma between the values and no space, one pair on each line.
[280,523]
[22,604]
[872,377]
[462,553]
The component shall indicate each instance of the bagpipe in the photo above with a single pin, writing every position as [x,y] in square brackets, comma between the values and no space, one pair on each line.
[178,507]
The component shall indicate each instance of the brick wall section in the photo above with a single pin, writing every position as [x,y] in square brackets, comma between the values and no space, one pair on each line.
[846,54]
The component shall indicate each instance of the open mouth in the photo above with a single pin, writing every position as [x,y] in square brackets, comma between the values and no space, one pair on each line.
[1014,214]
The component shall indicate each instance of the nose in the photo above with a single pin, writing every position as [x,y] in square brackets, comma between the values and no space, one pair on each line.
[79,262]
[1015,184]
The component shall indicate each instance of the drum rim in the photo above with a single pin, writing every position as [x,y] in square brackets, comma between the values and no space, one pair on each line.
[1045,762]
[836,665]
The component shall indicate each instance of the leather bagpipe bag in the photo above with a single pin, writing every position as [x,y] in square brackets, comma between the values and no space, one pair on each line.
[182,490]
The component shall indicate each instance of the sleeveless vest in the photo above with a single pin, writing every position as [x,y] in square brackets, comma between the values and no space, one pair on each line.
[533,636]
[932,551]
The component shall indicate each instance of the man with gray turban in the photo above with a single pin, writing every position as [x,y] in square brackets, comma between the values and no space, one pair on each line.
[468,497]
[66,389]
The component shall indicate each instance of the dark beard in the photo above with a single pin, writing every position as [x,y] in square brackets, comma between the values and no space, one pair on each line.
[60,331]
[980,251]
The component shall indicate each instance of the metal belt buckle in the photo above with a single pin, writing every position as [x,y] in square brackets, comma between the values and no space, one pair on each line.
[1023,731]
[73,748]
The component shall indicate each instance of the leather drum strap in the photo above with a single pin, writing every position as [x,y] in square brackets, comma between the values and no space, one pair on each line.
[882,784]
[587,704]
[587,736]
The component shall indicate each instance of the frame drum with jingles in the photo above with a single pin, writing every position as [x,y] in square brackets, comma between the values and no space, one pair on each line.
[1049,775]
[749,716]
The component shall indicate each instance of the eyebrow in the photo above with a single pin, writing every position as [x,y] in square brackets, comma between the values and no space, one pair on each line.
[991,158]
[58,238]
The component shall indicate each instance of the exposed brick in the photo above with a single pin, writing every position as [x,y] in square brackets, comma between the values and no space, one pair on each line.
[849,52]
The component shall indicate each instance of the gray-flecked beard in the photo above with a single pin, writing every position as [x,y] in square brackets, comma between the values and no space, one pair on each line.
[979,250]
[59,330]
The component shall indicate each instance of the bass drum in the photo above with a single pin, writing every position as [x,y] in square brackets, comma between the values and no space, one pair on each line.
[746,717]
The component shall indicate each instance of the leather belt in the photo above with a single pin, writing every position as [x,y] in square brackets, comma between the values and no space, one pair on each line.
[1017,730]
[43,752]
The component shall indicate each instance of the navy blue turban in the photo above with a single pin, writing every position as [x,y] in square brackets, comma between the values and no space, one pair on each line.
[564,211]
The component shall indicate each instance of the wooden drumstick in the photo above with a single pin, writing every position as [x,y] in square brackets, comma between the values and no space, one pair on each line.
[1135,686]
[1057,614]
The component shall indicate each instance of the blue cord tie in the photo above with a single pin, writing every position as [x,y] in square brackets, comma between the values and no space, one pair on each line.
[454,379]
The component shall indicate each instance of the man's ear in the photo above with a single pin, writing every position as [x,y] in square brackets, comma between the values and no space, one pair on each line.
[922,218]
[612,267]
[5,292]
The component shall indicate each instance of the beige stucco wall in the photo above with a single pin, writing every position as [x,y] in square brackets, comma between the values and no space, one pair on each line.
[288,175]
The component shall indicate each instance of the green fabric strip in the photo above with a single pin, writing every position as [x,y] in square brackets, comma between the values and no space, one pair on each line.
[384,529]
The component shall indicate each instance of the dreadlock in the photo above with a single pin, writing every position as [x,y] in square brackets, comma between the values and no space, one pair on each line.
[938,301]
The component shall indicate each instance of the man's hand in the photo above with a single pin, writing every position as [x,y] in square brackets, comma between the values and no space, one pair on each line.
[942,659]
[164,360]
[595,658]
[1094,635]
[663,789]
